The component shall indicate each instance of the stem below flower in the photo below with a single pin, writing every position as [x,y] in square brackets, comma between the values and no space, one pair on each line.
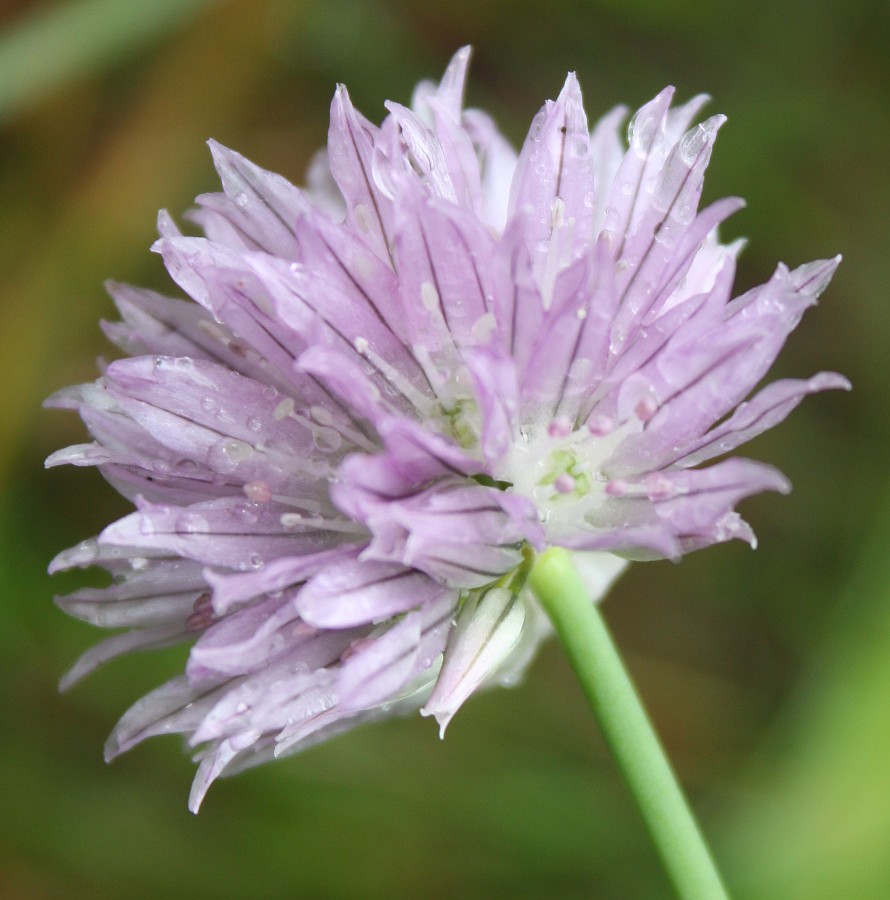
[626,727]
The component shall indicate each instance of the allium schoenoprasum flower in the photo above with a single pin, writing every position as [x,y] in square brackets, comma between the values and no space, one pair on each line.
[388,390]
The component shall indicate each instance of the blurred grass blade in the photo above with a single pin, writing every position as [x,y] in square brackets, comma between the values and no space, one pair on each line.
[44,50]
[817,816]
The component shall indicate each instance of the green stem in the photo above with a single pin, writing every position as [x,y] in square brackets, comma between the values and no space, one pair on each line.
[626,727]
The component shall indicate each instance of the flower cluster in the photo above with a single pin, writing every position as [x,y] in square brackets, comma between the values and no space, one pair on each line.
[388,391]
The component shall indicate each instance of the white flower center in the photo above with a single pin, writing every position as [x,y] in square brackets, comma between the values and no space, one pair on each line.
[562,470]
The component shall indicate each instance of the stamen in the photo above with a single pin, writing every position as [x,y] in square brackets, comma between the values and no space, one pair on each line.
[617,488]
[258,491]
[202,616]
[311,506]
[560,427]
[646,409]
[659,487]
[600,426]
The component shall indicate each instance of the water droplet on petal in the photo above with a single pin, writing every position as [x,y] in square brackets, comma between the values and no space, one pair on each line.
[284,409]
[429,296]
[238,451]
[244,513]
[185,467]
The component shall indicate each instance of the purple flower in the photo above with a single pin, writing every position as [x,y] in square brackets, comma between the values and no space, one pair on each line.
[389,390]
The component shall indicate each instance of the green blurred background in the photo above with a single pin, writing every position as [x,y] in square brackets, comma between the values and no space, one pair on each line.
[767,673]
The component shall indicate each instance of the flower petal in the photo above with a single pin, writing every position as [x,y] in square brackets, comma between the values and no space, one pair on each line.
[229,532]
[350,154]
[261,206]
[113,647]
[553,190]
[762,412]
[355,592]
[487,630]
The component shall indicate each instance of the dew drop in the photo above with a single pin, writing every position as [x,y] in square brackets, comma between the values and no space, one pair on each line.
[192,523]
[683,213]
[185,467]
[244,513]
[362,217]
[284,409]
[578,146]
[429,296]
[580,368]
[484,327]
[238,451]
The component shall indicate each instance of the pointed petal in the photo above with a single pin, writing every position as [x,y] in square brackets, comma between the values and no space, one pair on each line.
[355,592]
[649,250]
[277,575]
[175,707]
[497,164]
[553,190]
[159,593]
[389,669]
[485,634]
[445,258]
[380,666]
[350,154]
[642,162]
[113,647]
[229,532]
[766,409]
[244,641]
[262,206]
[702,374]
